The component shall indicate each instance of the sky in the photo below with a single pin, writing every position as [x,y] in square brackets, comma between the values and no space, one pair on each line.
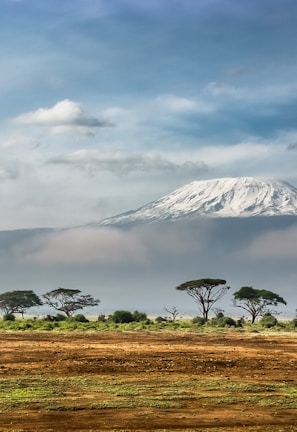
[107,105]
[110,104]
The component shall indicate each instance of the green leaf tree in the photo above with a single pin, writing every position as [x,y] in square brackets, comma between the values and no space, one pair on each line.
[68,300]
[256,302]
[18,301]
[121,316]
[205,292]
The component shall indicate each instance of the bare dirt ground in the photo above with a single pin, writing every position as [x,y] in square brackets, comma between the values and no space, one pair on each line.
[141,381]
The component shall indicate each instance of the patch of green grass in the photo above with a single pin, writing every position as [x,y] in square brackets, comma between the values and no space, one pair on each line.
[97,393]
[24,390]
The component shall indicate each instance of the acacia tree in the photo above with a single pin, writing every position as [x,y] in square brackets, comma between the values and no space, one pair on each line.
[173,311]
[205,292]
[256,302]
[68,300]
[18,301]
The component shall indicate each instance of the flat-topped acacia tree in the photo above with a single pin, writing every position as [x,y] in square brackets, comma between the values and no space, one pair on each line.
[205,292]
[18,301]
[256,302]
[68,300]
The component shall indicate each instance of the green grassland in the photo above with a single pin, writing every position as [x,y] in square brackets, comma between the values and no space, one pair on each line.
[99,393]
[214,324]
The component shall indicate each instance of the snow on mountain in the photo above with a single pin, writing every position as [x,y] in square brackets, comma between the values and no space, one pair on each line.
[219,198]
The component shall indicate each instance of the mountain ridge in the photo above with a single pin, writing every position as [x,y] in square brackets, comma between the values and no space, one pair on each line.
[216,198]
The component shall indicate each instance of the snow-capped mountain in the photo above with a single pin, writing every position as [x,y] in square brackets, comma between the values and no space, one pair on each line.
[219,198]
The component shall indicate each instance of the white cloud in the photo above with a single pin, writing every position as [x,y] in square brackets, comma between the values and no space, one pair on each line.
[19,141]
[82,246]
[65,117]
[183,105]
[116,113]
[95,244]
[220,155]
[122,162]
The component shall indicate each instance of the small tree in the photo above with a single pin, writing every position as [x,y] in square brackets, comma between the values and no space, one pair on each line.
[173,312]
[121,316]
[124,316]
[205,292]
[256,302]
[68,300]
[139,316]
[18,301]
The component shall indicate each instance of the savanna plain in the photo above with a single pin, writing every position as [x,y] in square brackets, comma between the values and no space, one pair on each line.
[148,381]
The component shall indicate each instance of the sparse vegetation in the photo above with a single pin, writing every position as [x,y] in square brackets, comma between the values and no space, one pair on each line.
[205,292]
[12,302]
[256,302]
[268,320]
[60,394]
[149,381]
[68,300]
[80,322]
[124,316]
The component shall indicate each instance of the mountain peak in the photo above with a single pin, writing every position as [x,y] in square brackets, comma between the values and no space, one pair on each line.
[216,198]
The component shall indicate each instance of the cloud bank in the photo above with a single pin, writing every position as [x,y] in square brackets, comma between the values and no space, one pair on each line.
[123,162]
[142,266]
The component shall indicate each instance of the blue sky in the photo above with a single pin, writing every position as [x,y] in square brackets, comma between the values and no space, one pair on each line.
[109,104]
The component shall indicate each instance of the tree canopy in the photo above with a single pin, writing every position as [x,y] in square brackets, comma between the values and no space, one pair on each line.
[18,301]
[256,302]
[205,292]
[68,300]
[124,316]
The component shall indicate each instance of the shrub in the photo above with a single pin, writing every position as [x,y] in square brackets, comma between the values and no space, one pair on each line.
[101,318]
[160,319]
[80,318]
[121,316]
[268,321]
[8,317]
[139,316]
[198,320]
[223,321]
[240,322]
[60,317]
[47,326]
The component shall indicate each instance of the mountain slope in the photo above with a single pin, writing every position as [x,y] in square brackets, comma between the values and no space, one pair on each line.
[225,197]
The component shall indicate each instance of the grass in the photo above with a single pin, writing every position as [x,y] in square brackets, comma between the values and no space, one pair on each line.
[42,324]
[77,393]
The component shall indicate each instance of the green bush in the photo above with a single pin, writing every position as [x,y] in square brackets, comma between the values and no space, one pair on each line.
[139,316]
[80,318]
[198,320]
[223,321]
[160,319]
[240,322]
[8,317]
[294,322]
[47,326]
[60,317]
[268,321]
[121,316]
